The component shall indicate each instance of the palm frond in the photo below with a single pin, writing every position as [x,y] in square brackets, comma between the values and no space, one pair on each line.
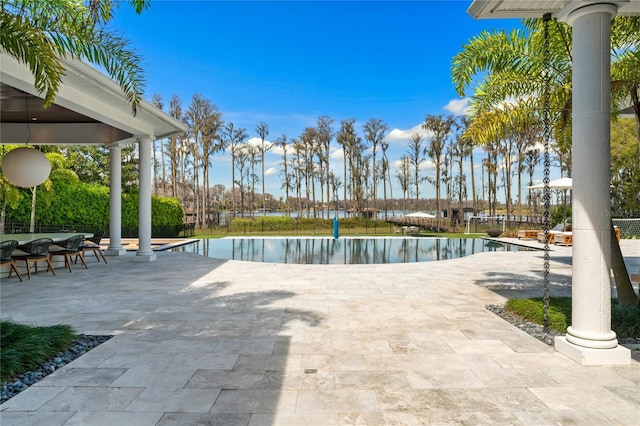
[32,47]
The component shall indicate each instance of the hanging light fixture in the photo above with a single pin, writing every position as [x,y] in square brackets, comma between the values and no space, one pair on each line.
[26,167]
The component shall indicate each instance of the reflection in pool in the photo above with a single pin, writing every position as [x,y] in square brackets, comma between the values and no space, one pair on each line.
[343,250]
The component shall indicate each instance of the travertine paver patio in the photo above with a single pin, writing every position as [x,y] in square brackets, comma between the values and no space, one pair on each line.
[204,341]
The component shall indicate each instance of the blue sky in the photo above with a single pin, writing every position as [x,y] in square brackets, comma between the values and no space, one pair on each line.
[287,63]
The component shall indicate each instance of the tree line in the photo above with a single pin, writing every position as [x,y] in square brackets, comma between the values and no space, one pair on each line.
[505,124]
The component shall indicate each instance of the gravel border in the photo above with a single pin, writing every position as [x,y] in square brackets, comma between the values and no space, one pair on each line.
[79,347]
[530,328]
[538,332]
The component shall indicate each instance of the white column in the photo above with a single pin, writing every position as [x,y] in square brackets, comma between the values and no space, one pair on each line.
[115,202]
[590,340]
[145,253]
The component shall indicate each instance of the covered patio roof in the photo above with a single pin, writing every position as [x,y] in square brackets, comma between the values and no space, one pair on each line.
[481,9]
[90,108]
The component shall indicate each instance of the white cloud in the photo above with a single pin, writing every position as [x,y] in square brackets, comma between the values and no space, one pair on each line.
[337,154]
[271,171]
[277,150]
[458,106]
[398,135]
[428,164]
[257,142]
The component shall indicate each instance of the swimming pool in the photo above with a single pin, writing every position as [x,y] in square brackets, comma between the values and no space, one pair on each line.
[343,250]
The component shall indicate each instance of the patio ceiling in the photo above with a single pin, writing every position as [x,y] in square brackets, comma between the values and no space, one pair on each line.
[89,109]
[481,9]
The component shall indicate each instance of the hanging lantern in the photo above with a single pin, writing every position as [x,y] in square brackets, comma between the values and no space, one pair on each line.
[26,167]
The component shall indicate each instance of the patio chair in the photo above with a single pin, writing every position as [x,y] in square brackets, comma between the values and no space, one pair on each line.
[35,251]
[69,248]
[6,258]
[556,229]
[92,245]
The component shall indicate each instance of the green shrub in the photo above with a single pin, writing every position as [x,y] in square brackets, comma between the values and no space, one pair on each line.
[88,205]
[625,320]
[560,214]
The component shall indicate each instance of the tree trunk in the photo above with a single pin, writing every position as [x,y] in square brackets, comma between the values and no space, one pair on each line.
[233,180]
[346,181]
[3,215]
[155,168]
[32,222]
[626,294]
[473,186]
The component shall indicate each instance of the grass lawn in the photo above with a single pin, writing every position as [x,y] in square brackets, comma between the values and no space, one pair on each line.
[354,232]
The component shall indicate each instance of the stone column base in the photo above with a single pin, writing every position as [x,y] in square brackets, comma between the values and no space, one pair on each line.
[114,252]
[145,257]
[588,356]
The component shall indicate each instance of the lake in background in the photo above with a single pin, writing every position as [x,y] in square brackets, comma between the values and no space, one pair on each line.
[343,250]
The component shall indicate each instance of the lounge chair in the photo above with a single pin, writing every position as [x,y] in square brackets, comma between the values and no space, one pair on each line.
[528,234]
[556,229]
[563,238]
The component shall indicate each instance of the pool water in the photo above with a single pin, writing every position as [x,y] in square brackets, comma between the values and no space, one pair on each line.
[344,250]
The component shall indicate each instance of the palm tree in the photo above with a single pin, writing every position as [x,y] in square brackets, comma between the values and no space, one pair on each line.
[204,123]
[386,174]
[466,150]
[308,138]
[324,134]
[156,101]
[175,110]
[242,164]
[415,155]
[440,127]
[359,173]
[263,131]
[515,69]
[214,144]
[284,144]
[530,161]
[298,167]
[41,33]
[404,177]
[233,137]
[253,152]
[625,67]
[346,137]
[374,131]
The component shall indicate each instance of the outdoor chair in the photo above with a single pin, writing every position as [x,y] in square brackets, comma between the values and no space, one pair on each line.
[69,248]
[6,258]
[35,251]
[92,245]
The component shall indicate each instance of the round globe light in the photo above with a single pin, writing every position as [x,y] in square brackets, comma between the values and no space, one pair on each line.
[26,167]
